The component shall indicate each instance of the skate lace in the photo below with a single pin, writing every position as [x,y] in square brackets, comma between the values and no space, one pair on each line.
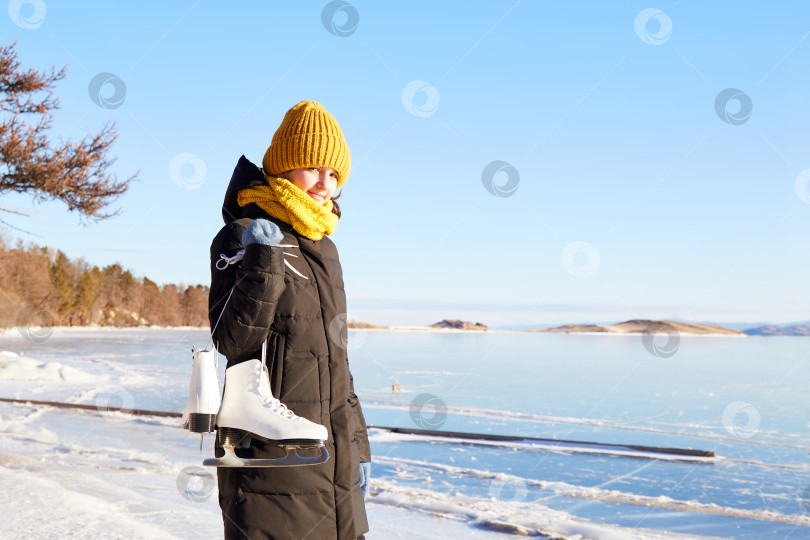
[225,261]
[278,407]
[274,404]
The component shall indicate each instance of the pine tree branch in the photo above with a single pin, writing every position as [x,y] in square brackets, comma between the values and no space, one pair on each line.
[78,173]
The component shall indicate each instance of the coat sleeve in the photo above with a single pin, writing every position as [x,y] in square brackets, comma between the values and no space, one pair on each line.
[242,322]
[360,429]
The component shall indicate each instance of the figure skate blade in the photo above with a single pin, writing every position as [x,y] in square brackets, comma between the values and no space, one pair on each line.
[292,459]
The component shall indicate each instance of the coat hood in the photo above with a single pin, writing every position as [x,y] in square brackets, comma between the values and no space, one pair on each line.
[245,175]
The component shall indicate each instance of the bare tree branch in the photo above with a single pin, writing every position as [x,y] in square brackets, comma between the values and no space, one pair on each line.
[10,226]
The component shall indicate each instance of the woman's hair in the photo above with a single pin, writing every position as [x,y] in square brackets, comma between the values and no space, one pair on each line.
[335,207]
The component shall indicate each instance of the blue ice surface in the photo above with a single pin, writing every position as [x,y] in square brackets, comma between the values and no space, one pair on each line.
[743,398]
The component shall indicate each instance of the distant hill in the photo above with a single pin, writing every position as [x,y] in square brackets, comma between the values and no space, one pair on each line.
[770,330]
[459,325]
[640,325]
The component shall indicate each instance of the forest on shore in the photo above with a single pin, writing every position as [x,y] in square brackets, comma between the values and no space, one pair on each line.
[40,286]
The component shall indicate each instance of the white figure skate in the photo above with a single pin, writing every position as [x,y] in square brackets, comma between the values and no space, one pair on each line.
[203,400]
[249,410]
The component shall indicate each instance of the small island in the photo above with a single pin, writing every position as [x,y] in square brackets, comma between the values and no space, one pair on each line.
[771,330]
[633,326]
[445,325]
[354,324]
[459,325]
[638,326]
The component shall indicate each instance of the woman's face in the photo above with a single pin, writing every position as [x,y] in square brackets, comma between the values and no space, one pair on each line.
[317,182]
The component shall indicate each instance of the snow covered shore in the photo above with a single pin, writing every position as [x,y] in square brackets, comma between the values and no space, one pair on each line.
[78,473]
[103,473]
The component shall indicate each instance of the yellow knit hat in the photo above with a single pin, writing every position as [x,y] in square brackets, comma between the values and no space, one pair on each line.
[308,137]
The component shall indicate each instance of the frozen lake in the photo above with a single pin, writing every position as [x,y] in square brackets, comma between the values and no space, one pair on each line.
[743,398]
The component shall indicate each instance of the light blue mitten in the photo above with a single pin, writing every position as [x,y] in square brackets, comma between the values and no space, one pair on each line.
[365,478]
[262,231]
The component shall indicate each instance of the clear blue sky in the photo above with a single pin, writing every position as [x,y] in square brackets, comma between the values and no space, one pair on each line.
[634,198]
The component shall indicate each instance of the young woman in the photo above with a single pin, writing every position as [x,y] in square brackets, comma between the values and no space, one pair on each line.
[291,298]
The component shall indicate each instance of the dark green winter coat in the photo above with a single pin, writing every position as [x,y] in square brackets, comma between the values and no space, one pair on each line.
[303,321]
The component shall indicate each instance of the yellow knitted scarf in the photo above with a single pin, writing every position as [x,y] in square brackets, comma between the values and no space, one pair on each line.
[284,200]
